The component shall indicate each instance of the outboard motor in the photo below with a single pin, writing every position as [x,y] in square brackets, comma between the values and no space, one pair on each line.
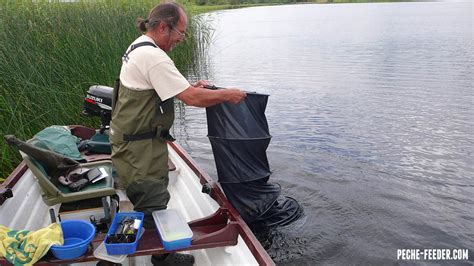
[98,102]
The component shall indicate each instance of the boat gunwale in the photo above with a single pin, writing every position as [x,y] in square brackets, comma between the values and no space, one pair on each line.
[12,179]
[218,195]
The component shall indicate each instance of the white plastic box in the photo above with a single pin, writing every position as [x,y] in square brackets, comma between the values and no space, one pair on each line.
[173,230]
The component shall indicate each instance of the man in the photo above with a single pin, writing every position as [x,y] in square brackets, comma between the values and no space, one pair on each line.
[143,112]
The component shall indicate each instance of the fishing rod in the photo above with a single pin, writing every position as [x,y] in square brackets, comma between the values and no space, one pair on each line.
[214,87]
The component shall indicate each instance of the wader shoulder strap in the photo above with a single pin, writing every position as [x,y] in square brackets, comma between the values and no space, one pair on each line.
[125,58]
[135,46]
[115,93]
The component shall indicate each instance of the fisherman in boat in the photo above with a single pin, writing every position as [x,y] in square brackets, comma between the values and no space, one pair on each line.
[143,112]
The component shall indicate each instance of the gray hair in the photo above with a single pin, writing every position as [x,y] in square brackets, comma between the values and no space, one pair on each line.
[169,13]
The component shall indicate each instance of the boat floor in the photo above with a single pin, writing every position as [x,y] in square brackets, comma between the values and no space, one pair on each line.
[186,196]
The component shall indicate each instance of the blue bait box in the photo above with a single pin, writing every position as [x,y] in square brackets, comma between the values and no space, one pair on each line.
[173,230]
[123,248]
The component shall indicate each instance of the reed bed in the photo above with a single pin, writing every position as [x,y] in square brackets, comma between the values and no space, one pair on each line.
[51,53]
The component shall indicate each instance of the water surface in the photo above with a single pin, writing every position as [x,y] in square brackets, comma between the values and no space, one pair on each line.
[372,117]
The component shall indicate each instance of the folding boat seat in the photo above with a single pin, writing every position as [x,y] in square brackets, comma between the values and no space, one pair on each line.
[54,192]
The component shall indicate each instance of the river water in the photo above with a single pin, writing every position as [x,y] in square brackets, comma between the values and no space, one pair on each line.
[372,117]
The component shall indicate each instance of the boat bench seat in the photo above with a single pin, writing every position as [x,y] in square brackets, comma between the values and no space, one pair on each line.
[54,192]
[219,229]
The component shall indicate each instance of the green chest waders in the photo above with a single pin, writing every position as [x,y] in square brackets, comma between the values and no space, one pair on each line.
[138,133]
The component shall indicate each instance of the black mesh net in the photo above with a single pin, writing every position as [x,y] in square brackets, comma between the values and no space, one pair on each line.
[239,137]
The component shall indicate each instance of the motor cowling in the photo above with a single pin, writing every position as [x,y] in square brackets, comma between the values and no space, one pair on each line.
[98,98]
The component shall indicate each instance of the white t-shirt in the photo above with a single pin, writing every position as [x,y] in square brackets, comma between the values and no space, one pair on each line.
[150,68]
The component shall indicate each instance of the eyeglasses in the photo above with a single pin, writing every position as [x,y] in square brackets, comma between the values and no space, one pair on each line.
[181,34]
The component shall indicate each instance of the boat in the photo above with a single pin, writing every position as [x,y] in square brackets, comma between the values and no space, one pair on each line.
[220,235]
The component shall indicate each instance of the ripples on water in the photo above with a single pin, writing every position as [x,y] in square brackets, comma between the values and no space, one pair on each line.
[372,117]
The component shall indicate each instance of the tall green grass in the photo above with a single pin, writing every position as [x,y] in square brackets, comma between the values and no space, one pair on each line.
[51,53]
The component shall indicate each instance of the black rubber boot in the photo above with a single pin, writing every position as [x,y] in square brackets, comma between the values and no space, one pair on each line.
[172,259]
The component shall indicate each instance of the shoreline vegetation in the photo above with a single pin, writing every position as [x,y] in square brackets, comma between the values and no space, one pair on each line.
[53,51]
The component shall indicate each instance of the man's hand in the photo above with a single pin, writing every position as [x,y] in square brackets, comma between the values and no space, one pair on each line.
[201,97]
[235,95]
[201,83]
